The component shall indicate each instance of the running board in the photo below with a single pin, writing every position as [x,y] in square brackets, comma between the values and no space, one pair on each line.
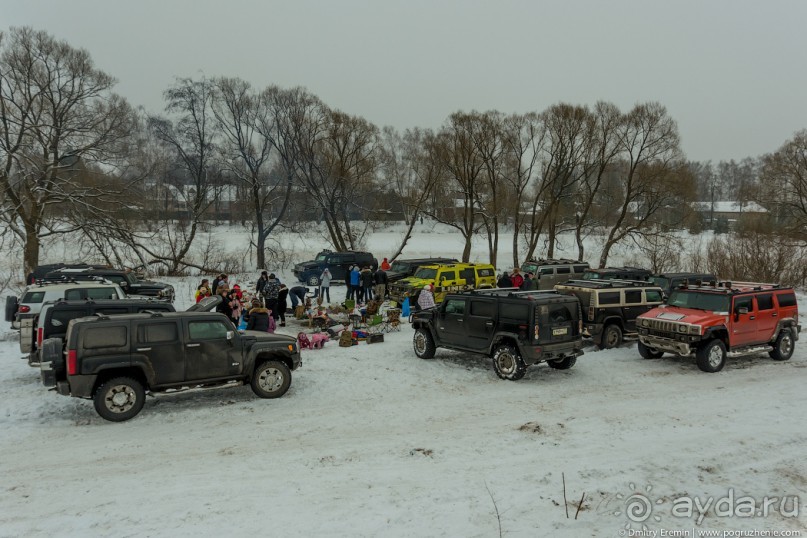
[749,351]
[196,388]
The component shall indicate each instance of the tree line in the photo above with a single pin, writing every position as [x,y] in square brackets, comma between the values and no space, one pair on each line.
[140,187]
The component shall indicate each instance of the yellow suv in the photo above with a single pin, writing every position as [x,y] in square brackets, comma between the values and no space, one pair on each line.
[448,278]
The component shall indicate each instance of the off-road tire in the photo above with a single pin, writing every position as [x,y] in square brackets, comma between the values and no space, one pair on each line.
[611,336]
[119,398]
[711,356]
[271,379]
[784,345]
[562,364]
[11,307]
[51,351]
[313,281]
[507,363]
[423,344]
[648,353]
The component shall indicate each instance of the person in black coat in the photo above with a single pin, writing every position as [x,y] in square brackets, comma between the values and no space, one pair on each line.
[258,318]
[504,281]
[280,310]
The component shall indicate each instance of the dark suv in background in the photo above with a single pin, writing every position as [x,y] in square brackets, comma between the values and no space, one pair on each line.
[338,263]
[617,273]
[669,281]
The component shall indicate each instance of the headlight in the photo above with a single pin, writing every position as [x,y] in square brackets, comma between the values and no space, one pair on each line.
[683,328]
[645,323]
[695,329]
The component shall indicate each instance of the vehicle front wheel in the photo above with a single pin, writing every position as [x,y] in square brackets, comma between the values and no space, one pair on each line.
[313,280]
[271,379]
[783,347]
[711,357]
[648,353]
[508,364]
[611,336]
[119,399]
[562,364]
[423,343]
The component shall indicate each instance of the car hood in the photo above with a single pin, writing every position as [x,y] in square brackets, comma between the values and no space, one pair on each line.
[262,336]
[152,284]
[395,275]
[690,316]
[208,304]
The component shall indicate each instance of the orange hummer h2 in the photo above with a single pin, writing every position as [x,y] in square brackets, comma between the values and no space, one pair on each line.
[722,318]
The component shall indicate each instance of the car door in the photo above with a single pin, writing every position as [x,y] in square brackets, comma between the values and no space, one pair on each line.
[451,322]
[632,307]
[336,265]
[743,325]
[767,317]
[480,322]
[208,352]
[158,340]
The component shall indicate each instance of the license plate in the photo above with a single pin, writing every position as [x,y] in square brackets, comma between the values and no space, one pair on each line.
[559,331]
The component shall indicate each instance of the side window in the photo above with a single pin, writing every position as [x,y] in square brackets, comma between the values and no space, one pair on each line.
[33,297]
[468,275]
[633,296]
[207,330]
[514,312]
[112,310]
[580,268]
[154,333]
[609,297]
[73,295]
[101,293]
[743,302]
[455,306]
[546,270]
[448,275]
[564,270]
[482,308]
[653,296]
[97,338]
[786,299]
[61,318]
[485,272]
[765,302]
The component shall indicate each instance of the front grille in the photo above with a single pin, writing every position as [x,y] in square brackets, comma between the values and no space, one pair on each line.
[663,334]
[663,327]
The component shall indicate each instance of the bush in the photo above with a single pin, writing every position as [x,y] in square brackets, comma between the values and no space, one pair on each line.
[757,257]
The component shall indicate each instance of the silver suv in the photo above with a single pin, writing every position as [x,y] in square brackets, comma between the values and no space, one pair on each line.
[35,295]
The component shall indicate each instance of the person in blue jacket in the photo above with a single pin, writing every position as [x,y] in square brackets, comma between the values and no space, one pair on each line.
[353,288]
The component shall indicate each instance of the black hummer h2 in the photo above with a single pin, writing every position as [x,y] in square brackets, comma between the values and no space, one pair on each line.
[515,328]
[115,359]
[610,307]
[338,263]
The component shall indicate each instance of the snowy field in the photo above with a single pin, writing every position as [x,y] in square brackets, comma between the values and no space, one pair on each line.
[371,441]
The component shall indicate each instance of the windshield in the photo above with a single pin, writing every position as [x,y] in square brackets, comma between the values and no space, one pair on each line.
[589,275]
[661,282]
[700,301]
[529,268]
[426,273]
[399,267]
[131,278]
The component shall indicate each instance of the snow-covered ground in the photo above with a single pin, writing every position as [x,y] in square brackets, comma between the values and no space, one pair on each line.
[371,441]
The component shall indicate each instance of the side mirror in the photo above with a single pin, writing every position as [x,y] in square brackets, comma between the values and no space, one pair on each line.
[230,335]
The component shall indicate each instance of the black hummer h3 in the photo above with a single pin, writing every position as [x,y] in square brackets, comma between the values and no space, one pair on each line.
[114,360]
[515,328]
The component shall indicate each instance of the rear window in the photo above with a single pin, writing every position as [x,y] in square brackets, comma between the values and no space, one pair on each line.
[609,297]
[786,299]
[33,297]
[96,338]
[158,332]
[580,268]
[486,272]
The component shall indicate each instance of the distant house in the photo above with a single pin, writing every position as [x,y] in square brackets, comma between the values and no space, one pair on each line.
[728,211]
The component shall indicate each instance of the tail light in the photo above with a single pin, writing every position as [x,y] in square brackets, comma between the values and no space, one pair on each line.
[72,362]
[537,332]
[590,312]
[580,326]
[24,308]
[39,335]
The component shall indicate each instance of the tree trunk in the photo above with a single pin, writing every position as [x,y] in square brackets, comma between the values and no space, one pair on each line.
[31,248]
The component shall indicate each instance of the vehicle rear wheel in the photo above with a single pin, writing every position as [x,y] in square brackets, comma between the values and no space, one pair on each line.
[508,364]
[611,336]
[648,353]
[783,347]
[423,343]
[271,379]
[119,399]
[313,280]
[711,357]
[562,364]
[11,307]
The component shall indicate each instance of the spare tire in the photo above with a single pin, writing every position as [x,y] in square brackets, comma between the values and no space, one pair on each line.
[51,352]
[11,307]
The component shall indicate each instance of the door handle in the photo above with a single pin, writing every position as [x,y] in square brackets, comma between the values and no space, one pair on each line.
[193,345]
[144,349]
[775,314]
[752,317]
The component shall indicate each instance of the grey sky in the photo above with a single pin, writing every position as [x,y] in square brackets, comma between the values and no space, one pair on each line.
[733,73]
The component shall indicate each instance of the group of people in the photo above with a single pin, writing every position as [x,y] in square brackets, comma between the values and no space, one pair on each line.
[366,283]
[516,280]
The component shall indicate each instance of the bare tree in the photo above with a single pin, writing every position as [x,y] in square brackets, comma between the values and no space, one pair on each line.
[56,111]
[489,140]
[784,185]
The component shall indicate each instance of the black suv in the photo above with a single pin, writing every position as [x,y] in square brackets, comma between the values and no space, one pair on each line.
[610,307]
[339,264]
[515,328]
[669,281]
[127,280]
[114,360]
[617,273]
[54,317]
[403,268]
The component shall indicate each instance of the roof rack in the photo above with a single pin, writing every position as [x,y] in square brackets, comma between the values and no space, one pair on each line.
[729,286]
[614,283]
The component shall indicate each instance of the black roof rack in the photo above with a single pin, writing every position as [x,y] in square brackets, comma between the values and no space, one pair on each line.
[551,261]
[615,283]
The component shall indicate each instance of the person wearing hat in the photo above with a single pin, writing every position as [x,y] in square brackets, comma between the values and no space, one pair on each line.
[529,283]
[516,278]
[426,297]
[259,318]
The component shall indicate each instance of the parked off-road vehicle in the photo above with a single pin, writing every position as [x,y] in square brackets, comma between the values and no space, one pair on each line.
[115,360]
[406,268]
[40,271]
[127,280]
[610,307]
[447,278]
[669,281]
[338,263]
[550,272]
[43,291]
[54,317]
[616,273]
[727,318]
[515,328]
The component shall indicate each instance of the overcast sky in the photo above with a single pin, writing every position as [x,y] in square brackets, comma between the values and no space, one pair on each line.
[732,73]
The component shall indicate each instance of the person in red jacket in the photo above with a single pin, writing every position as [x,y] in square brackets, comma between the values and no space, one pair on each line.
[385,266]
[516,278]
